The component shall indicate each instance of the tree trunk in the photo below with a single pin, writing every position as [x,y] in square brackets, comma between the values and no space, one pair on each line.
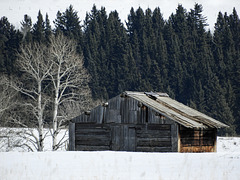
[55,123]
[55,110]
[40,117]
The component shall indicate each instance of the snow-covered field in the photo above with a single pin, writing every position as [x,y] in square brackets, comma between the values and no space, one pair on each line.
[228,144]
[223,165]
[119,165]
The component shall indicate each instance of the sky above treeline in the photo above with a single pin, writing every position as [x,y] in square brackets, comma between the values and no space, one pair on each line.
[15,10]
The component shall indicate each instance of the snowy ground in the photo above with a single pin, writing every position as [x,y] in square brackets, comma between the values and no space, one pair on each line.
[119,165]
[228,144]
[20,139]
[223,165]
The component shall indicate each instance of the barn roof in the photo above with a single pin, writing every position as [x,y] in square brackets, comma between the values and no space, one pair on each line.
[174,110]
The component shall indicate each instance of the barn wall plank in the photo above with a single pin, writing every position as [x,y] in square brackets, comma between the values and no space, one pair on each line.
[129,111]
[116,138]
[142,113]
[153,138]
[124,138]
[71,136]
[153,133]
[153,149]
[92,148]
[132,116]
[166,127]
[97,115]
[114,103]
[197,140]
[92,137]
[152,119]
[91,132]
[81,118]
[124,110]
[93,141]
[131,139]
[174,137]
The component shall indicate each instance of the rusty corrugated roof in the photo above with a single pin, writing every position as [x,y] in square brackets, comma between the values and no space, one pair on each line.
[175,110]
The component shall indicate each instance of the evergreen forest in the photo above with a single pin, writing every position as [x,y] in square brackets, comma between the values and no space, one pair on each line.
[179,55]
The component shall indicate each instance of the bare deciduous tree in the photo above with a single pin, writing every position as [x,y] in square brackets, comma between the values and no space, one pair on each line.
[69,79]
[6,102]
[6,96]
[61,67]
[32,60]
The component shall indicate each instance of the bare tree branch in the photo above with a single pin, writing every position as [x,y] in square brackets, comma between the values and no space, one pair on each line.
[33,61]
[61,67]
[6,95]
[67,74]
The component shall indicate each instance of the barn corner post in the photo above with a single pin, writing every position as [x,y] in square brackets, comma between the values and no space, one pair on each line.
[215,140]
[178,139]
[71,136]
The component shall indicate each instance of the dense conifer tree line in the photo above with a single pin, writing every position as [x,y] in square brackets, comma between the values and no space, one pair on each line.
[179,55]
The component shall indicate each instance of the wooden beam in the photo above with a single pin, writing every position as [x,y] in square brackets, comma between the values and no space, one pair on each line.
[71,136]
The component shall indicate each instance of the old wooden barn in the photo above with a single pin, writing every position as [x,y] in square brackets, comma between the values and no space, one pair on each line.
[143,122]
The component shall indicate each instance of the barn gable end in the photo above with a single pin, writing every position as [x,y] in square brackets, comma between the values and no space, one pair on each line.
[143,122]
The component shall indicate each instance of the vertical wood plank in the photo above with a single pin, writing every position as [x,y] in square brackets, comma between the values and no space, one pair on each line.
[174,137]
[142,115]
[125,110]
[71,136]
[125,137]
[115,138]
[96,115]
[133,115]
[131,139]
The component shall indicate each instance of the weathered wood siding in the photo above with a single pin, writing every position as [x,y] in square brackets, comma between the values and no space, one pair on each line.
[197,140]
[124,124]
[71,136]
[154,138]
[127,137]
[89,137]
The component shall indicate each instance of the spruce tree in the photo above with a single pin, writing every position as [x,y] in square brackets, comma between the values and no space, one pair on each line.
[47,29]
[173,53]
[38,29]
[10,39]
[95,51]
[234,27]
[68,22]
[118,53]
